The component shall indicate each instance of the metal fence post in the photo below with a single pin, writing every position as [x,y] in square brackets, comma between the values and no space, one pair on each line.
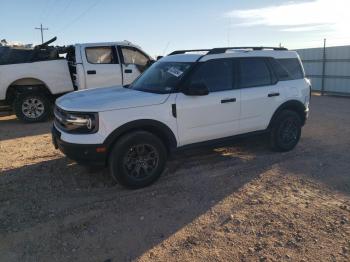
[323,66]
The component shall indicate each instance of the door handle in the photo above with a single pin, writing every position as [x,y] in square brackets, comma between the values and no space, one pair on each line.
[273,94]
[91,72]
[228,100]
[127,71]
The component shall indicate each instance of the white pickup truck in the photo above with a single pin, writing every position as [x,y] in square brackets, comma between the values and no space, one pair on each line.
[31,79]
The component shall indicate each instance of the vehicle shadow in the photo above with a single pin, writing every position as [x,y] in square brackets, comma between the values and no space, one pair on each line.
[10,123]
[60,202]
[64,204]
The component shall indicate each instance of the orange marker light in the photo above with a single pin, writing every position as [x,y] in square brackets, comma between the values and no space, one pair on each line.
[101,149]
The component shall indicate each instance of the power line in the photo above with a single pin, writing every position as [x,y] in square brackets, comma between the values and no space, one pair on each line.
[41,28]
[79,16]
[46,10]
[60,12]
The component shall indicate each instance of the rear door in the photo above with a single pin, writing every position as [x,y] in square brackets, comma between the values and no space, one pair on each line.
[259,92]
[134,62]
[101,66]
[216,115]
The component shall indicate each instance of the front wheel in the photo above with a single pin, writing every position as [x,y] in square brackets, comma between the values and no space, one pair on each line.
[286,131]
[32,107]
[137,159]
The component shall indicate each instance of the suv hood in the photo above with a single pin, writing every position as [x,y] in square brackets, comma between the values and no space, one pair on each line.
[108,98]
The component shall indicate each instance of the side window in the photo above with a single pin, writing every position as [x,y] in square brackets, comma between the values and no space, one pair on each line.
[217,75]
[254,72]
[292,67]
[133,56]
[100,55]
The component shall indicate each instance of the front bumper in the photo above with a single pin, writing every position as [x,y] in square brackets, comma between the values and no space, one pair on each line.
[92,155]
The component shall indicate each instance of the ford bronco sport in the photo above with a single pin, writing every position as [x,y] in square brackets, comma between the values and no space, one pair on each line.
[189,97]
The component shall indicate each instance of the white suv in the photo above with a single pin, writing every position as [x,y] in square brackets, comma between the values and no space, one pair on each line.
[190,97]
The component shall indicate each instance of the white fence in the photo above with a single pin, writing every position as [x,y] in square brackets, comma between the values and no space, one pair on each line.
[328,68]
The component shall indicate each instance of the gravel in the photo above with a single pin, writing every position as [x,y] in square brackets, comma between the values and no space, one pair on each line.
[237,203]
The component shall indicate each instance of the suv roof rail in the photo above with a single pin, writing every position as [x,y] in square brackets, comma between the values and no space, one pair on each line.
[179,52]
[221,50]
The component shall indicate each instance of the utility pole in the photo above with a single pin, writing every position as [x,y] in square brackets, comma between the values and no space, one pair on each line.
[323,67]
[41,28]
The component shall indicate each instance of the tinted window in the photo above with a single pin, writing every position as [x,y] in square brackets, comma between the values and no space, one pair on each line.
[292,67]
[217,75]
[100,55]
[254,72]
[133,56]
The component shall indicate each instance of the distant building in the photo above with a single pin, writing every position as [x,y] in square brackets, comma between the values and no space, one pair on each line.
[4,42]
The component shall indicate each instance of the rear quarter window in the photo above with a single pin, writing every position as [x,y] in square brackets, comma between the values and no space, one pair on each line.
[288,69]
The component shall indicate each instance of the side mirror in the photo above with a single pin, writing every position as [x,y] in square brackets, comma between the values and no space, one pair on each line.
[159,57]
[196,89]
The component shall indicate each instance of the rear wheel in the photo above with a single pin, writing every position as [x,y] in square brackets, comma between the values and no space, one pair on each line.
[32,107]
[137,159]
[286,131]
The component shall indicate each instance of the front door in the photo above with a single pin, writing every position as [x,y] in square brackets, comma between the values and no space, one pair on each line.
[134,63]
[212,116]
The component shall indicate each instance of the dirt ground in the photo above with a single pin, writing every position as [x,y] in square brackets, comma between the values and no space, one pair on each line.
[238,203]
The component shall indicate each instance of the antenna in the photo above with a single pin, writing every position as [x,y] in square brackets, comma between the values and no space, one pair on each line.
[166,48]
[229,32]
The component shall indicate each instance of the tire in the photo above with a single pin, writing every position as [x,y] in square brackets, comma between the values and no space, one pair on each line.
[286,131]
[128,159]
[32,107]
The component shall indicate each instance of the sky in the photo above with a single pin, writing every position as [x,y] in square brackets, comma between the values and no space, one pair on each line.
[162,26]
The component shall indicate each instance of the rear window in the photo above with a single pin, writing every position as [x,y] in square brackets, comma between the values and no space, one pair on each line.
[288,69]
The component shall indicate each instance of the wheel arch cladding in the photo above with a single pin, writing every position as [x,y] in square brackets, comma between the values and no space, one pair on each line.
[293,105]
[155,127]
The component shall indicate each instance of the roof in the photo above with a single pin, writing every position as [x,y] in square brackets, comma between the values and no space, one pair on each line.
[207,54]
[125,42]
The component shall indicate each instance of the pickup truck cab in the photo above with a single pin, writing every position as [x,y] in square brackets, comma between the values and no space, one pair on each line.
[96,65]
[31,79]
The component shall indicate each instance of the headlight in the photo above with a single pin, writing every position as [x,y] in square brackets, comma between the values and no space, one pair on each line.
[73,122]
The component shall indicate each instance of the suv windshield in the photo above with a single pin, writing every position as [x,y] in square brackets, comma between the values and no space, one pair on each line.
[161,77]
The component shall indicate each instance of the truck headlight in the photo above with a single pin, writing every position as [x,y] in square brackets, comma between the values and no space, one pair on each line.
[74,122]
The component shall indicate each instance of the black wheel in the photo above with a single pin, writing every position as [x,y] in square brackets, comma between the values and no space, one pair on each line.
[32,107]
[137,159]
[286,131]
